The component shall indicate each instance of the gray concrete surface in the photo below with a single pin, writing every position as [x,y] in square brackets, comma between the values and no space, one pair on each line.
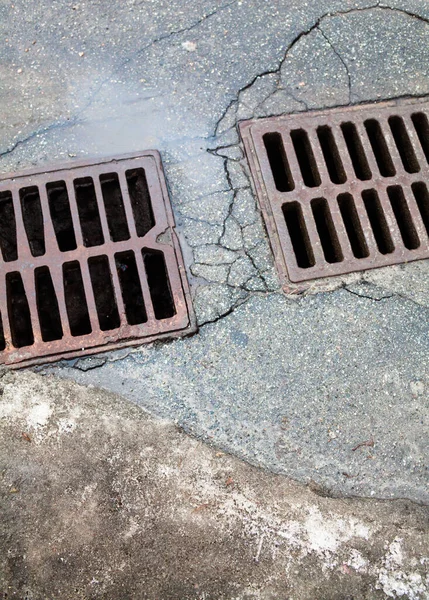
[182,89]
[100,501]
[253,385]
[289,384]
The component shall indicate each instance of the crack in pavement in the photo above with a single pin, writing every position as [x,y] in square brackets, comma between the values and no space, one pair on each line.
[343,62]
[347,289]
[39,132]
[306,32]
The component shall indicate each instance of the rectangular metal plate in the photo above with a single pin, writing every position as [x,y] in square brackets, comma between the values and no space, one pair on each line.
[343,189]
[89,260]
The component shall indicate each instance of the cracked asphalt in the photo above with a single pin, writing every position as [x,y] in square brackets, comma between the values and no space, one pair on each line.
[289,384]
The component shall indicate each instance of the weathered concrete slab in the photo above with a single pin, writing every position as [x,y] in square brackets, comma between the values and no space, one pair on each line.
[100,501]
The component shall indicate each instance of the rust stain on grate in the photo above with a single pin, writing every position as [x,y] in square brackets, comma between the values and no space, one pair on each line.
[89,261]
[343,190]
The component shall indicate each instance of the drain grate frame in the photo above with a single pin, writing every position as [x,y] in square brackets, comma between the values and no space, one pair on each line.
[342,189]
[89,260]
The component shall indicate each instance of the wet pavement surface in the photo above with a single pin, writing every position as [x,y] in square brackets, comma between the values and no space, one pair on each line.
[290,384]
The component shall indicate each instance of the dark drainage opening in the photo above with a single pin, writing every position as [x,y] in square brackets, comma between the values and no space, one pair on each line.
[305,157]
[403,217]
[7,227]
[131,289]
[47,306]
[104,294]
[19,312]
[140,201]
[421,125]
[378,221]
[59,207]
[2,340]
[114,205]
[379,147]
[298,234]
[353,225]
[89,216]
[77,308]
[326,230]
[421,195]
[403,143]
[356,151]
[331,154]
[33,219]
[159,285]
[278,162]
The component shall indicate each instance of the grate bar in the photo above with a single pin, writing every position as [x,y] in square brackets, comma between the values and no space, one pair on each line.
[318,155]
[74,212]
[101,209]
[22,244]
[57,281]
[412,134]
[5,314]
[144,286]
[50,237]
[127,204]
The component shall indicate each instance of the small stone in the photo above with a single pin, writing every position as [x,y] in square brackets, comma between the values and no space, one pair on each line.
[189,46]
[19,71]
[417,388]
[81,54]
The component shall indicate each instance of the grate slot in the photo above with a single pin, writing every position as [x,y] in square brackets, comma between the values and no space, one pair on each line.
[353,225]
[421,125]
[8,243]
[378,221]
[104,294]
[59,209]
[140,200]
[76,305]
[331,155]
[131,289]
[33,219]
[47,306]
[19,311]
[403,144]
[2,339]
[356,151]
[298,234]
[279,164]
[114,206]
[403,217]
[159,284]
[305,156]
[89,216]
[380,148]
[421,196]
[326,230]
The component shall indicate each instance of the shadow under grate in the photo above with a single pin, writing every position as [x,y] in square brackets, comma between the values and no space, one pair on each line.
[344,189]
[84,267]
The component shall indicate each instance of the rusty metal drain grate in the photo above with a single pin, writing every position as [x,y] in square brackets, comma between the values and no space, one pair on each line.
[89,261]
[343,190]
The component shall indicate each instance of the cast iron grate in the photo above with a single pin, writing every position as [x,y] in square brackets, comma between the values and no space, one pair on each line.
[343,190]
[89,261]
